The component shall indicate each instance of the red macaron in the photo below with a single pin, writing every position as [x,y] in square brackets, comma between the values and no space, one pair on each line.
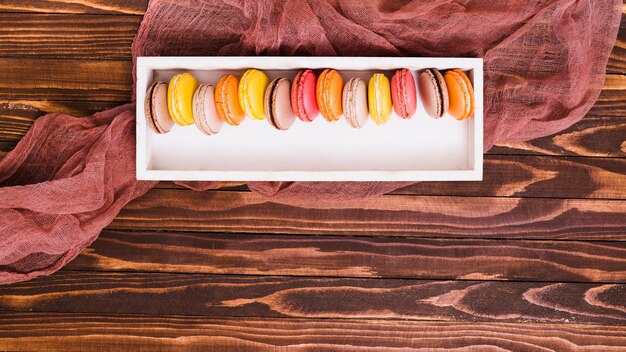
[403,94]
[303,98]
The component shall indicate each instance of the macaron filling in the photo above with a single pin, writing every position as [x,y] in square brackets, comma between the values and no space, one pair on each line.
[148,108]
[349,107]
[270,107]
[224,103]
[244,97]
[378,106]
[206,116]
[438,92]
[300,96]
[228,109]
[325,103]
[175,112]
[437,88]
[278,104]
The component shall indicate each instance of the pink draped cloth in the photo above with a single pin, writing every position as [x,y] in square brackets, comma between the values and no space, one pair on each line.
[69,177]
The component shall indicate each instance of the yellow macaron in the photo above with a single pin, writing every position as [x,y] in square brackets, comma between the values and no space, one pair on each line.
[379,98]
[180,98]
[252,92]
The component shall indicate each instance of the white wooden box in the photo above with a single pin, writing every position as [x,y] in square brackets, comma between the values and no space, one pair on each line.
[418,149]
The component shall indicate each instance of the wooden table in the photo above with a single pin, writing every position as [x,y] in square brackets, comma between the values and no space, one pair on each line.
[225,269]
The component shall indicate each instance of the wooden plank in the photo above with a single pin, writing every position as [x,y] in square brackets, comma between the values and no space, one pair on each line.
[74,80]
[16,117]
[535,176]
[391,215]
[243,296]
[617,60]
[611,101]
[592,136]
[5,147]
[67,36]
[333,256]
[92,332]
[133,7]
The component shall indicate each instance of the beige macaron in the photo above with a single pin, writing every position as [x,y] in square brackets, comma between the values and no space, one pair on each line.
[354,99]
[204,111]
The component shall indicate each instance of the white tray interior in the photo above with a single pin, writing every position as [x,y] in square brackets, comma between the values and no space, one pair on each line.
[418,149]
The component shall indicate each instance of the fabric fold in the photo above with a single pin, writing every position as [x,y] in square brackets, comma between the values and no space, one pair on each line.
[69,177]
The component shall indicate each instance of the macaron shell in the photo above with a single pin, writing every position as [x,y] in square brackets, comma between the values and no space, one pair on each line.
[460,94]
[444,91]
[430,92]
[278,104]
[227,100]
[403,94]
[179,98]
[379,98]
[204,110]
[470,89]
[329,92]
[252,92]
[147,108]
[303,99]
[160,113]
[355,108]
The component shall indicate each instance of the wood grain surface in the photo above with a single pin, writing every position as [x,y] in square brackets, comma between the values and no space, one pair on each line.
[349,298]
[334,256]
[537,176]
[134,7]
[93,332]
[75,80]
[540,266]
[591,136]
[390,215]
[67,36]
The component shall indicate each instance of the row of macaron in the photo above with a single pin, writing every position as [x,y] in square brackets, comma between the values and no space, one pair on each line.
[185,102]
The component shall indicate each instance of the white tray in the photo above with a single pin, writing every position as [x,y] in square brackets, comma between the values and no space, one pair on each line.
[419,149]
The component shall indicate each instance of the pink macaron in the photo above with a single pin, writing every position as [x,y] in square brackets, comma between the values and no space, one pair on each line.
[303,98]
[403,94]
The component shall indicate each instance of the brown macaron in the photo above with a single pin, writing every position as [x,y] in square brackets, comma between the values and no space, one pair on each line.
[277,101]
[434,92]
[155,108]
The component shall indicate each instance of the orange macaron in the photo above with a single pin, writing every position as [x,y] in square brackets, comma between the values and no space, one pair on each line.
[227,100]
[329,94]
[461,94]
